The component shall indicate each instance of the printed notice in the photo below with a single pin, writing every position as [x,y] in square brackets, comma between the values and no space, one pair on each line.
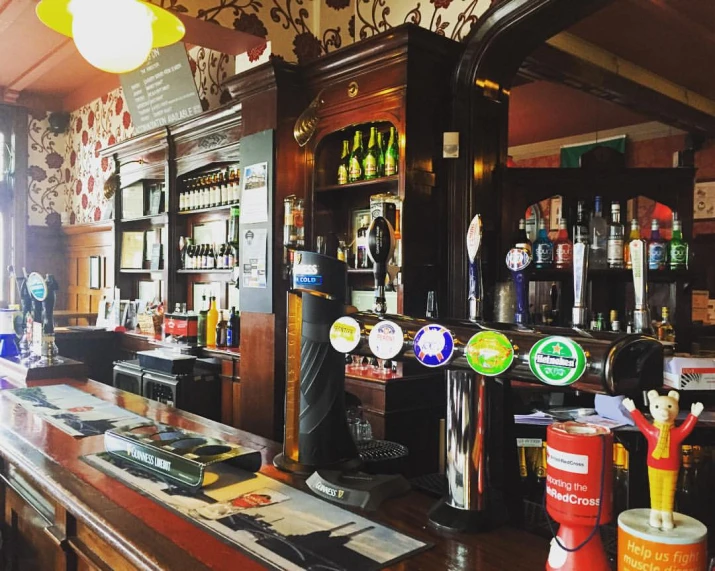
[254,197]
[253,257]
[162,91]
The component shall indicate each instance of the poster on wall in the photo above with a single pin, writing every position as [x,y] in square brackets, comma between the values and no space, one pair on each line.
[254,198]
[162,91]
[704,200]
[254,257]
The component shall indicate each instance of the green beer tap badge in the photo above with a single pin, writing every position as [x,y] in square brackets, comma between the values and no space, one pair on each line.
[489,353]
[557,361]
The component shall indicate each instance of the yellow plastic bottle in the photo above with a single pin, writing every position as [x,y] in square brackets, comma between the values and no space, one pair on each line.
[211,322]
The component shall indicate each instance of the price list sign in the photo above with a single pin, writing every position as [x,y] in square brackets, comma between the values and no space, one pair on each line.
[162,91]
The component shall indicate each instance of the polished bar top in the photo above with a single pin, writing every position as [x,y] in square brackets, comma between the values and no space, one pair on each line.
[155,538]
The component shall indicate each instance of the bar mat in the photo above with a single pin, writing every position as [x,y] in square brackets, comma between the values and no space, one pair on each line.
[275,524]
[432,484]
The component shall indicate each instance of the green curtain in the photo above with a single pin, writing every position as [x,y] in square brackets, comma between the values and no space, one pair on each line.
[571,154]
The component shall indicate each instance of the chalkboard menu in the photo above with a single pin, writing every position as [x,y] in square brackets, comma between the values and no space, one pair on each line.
[162,91]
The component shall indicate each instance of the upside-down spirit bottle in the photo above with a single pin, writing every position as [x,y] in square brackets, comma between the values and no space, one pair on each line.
[634,235]
[563,248]
[615,238]
[598,238]
[543,248]
[656,248]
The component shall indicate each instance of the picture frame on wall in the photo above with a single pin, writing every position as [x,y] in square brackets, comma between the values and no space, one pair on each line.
[95,272]
[156,199]
[704,200]
[132,250]
[133,197]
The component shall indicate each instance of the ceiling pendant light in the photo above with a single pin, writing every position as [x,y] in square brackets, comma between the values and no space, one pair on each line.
[113,35]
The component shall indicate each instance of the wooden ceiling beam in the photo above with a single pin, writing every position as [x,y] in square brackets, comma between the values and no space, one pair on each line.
[48,61]
[11,10]
[573,62]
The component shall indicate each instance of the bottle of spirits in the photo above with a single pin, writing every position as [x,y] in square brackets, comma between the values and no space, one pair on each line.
[543,248]
[598,238]
[221,331]
[233,332]
[656,248]
[344,163]
[372,156]
[201,323]
[685,489]
[381,156]
[391,154]
[635,234]
[211,322]
[522,240]
[665,329]
[677,248]
[615,323]
[580,229]
[615,238]
[362,260]
[563,248]
[356,155]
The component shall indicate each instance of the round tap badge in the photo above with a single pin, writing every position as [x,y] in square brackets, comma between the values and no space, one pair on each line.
[518,259]
[489,353]
[386,340]
[345,334]
[557,361]
[433,345]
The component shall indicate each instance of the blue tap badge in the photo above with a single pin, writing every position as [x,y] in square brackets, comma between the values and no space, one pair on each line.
[433,345]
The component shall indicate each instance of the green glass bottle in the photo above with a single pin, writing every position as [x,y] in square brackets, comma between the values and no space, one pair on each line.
[391,154]
[355,165]
[677,248]
[344,163]
[371,158]
[381,156]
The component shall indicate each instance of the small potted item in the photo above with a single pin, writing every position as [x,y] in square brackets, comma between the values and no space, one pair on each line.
[664,440]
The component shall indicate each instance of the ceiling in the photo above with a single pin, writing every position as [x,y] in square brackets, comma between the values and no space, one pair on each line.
[674,39]
[42,69]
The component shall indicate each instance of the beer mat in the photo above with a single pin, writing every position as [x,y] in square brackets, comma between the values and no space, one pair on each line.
[275,524]
[75,412]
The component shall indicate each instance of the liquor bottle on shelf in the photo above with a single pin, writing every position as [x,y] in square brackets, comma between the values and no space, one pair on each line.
[344,163]
[211,322]
[598,238]
[656,248]
[615,238]
[563,248]
[201,322]
[580,229]
[233,224]
[391,154]
[381,156]
[356,155]
[665,329]
[685,492]
[362,260]
[620,478]
[233,332]
[522,240]
[372,156]
[615,323]
[543,248]
[221,331]
[677,248]
[224,188]
[635,234]
[182,201]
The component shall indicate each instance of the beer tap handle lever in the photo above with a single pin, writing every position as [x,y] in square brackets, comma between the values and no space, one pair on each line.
[474,244]
[641,313]
[580,277]
[380,248]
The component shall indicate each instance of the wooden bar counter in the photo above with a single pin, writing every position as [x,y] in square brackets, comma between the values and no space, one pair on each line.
[61,513]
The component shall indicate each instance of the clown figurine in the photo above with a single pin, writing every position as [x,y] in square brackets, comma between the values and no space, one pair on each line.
[664,441]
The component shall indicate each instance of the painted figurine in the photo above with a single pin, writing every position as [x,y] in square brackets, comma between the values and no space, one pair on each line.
[664,441]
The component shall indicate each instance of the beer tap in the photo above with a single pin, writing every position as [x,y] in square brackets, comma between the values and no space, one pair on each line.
[380,248]
[517,260]
[49,349]
[580,273]
[641,313]
[474,244]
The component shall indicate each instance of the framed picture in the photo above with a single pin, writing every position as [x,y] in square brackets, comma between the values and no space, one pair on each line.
[156,198]
[132,250]
[704,200]
[95,272]
[133,197]
[104,312]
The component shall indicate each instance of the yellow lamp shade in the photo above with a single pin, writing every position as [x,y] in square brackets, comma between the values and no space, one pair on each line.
[113,35]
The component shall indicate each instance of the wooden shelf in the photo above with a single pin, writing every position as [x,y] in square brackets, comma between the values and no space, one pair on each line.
[385,180]
[158,219]
[208,209]
[138,271]
[360,271]
[659,276]
[205,271]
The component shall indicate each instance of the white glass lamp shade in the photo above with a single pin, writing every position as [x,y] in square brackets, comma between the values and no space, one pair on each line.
[113,35]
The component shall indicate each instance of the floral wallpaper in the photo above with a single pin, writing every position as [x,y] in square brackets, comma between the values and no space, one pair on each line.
[66,174]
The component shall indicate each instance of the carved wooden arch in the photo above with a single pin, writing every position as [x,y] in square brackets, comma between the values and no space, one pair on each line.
[505,35]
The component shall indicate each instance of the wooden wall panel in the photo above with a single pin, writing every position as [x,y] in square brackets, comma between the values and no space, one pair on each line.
[46,255]
[81,242]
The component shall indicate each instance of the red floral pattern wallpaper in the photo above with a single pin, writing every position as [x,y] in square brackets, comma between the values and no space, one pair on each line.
[66,174]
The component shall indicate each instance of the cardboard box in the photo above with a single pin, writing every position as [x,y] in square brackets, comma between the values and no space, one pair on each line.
[700,298]
[700,314]
[689,373]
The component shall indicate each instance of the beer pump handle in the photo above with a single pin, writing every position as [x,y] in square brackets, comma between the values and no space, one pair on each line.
[380,248]
[641,313]
[48,325]
[517,260]
[474,243]
[580,273]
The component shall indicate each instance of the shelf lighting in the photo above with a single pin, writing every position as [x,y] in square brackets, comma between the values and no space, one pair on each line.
[115,36]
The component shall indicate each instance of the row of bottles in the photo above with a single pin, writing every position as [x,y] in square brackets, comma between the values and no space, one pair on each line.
[210,190]
[216,327]
[608,247]
[375,161]
[532,471]
[210,257]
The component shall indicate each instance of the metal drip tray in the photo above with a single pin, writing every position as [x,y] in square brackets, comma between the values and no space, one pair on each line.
[381,450]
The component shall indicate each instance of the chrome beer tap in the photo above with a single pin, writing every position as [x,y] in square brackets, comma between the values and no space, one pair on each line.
[580,277]
[380,249]
[476,289]
[641,312]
